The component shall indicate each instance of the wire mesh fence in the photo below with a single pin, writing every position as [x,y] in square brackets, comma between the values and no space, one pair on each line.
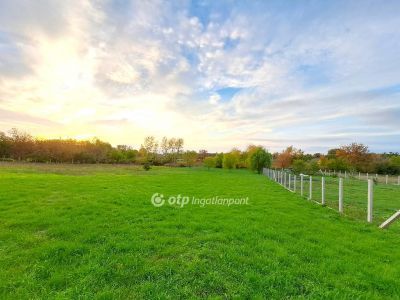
[346,193]
[378,178]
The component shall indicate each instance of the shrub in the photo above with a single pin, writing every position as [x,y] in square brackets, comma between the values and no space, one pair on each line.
[146,166]
[229,161]
[209,162]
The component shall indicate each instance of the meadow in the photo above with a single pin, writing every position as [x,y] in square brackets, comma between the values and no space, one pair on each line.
[91,232]
[386,197]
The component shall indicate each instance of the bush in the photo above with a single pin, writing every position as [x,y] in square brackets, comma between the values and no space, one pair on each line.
[209,162]
[219,160]
[229,161]
[146,166]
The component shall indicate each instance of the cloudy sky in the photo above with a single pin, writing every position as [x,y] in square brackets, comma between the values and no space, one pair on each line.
[313,74]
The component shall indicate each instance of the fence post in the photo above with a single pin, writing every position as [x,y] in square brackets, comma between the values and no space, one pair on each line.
[284,182]
[359,175]
[323,191]
[370,200]
[341,195]
[301,185]
[294,183]
[289,180]
[367,177]
[345,174]
[398,180]
[387,177]
[310,188]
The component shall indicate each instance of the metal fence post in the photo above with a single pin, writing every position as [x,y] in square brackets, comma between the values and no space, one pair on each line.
[387,177]
[370,199]
[310,197]
[290,178]
[341,195]
[323,190]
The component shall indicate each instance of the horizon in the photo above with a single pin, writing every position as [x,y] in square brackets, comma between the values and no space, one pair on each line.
[315,75]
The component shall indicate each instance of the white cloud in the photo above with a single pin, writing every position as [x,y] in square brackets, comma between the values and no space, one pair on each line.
[124,70]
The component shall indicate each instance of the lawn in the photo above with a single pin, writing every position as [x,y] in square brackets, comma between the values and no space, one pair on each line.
[91,232]
[386,200]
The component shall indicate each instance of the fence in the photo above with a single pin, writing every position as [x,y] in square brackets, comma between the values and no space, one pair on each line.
[379,178]
[369,199]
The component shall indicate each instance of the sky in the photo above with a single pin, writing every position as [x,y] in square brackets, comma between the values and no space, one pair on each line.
[220,74]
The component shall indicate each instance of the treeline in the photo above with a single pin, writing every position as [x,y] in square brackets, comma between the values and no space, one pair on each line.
[254,158]
[351,158]
[20,146]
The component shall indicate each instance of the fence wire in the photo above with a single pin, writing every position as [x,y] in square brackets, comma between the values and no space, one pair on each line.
[386,193]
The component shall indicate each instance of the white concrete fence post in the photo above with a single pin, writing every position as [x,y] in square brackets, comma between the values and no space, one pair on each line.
[359,175]
[294,183]
[323,190]
[370,200]
[284,182]
[290,178]
[310,197]
[387,179]
[398,180]
[301,185]
[341,195]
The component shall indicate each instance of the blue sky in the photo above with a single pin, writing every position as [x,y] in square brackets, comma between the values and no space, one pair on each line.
[313,74]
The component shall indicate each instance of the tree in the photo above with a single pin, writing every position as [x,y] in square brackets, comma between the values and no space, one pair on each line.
[189,158]
[5,145]
[202,154]
[357,155]
[219,160]
[299,166]
[260,158]
[236,156]
[22,144]
[285,158]
[209,162]
[229,161]
[150,147]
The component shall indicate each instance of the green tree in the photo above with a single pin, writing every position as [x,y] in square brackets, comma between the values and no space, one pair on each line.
[189,158]
[219,160]
[299,166]
[260,158]
[229,161]
[209,162]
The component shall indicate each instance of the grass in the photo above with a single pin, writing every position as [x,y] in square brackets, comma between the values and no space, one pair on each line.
[355,197]
[84,232]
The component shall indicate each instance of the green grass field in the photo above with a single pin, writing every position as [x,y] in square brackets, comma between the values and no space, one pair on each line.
[84,232]
[355,197]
